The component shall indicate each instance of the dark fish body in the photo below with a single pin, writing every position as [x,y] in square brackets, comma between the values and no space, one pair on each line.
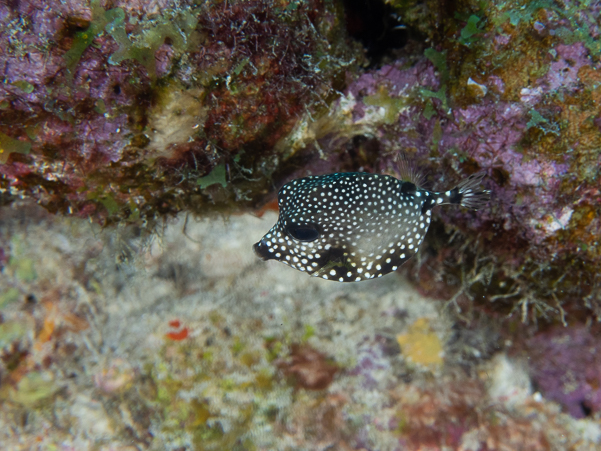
[355,226]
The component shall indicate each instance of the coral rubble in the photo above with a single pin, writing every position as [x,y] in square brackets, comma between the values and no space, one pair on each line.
[108,341]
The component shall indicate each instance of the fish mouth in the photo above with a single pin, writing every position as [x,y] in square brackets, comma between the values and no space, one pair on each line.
[262,251]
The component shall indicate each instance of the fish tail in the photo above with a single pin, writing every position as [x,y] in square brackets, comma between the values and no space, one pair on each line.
[469,193]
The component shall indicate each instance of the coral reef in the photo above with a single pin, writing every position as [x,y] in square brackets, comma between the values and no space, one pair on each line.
[127,111]
[530,123]
[117,110]
[512,90]
[122,112]
[111,342]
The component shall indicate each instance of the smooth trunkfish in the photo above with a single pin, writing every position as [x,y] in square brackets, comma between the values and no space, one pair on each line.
[356,226]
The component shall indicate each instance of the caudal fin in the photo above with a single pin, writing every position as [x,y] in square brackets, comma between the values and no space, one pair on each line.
[469,193]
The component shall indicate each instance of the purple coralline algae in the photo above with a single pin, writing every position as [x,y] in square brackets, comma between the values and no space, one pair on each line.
[118,110]
[566,367]
[512,90]
[133,111]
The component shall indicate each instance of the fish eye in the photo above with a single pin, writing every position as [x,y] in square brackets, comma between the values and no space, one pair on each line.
[303,232]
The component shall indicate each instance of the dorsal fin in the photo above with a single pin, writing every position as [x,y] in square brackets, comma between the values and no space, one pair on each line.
[408,171]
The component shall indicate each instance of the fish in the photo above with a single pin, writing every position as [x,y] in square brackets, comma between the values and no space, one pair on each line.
[355,226]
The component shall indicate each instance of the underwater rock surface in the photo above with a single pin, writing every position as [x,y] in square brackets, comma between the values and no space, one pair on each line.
[132,338]
[118,110]
[113,342]
[512,89]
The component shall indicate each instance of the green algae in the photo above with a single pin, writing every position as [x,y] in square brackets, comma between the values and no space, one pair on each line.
[10,145]
[542,123]
[391,105]
[8,297]
[309,332]
[34,388]
[237,346]
[24,86]
[275,348]
[10,332]
[521,13]
[240,66]
[24,268]
[142,47]
[217,176]
[110,203]
[429,110]
[439,59]
[580,33]
[471,29]
[524,12]
[441,95]
[83,39]
[107,200]
[21,266]
[100,106]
